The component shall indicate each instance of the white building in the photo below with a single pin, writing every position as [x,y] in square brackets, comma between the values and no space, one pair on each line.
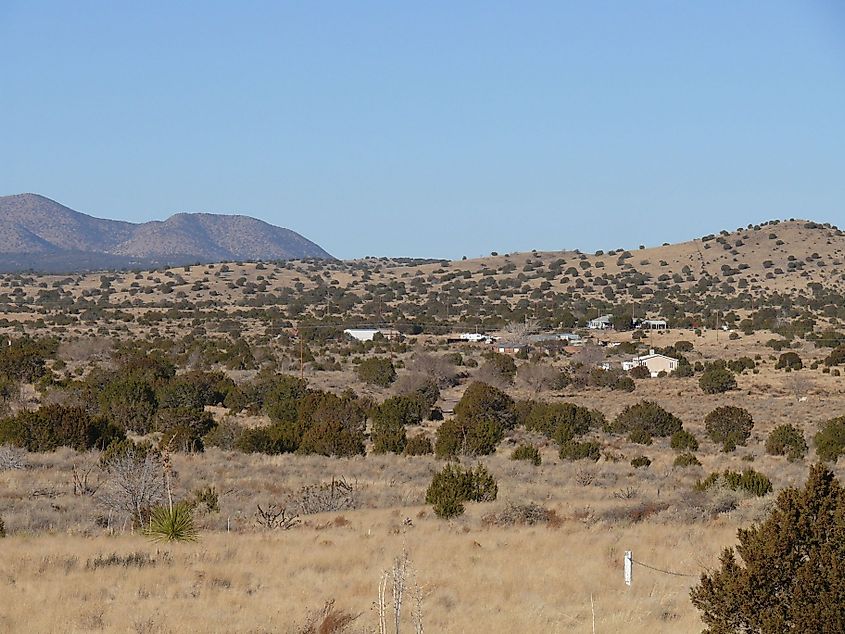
[655,362]
[653,324]
[601,323]
[554,336]
[475,337]
[367,334]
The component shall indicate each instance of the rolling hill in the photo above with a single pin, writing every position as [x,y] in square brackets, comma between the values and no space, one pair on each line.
[41,234]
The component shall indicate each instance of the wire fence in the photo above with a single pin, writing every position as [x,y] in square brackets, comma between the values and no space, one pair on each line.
[668,572]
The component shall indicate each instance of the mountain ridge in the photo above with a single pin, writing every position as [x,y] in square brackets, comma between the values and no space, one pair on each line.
[32,225]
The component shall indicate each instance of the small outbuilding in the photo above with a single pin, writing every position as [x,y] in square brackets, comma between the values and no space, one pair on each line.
[509,347]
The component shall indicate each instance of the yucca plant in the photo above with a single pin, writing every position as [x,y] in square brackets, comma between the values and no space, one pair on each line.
[172,524]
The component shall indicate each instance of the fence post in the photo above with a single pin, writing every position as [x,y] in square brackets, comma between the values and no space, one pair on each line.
[629,567]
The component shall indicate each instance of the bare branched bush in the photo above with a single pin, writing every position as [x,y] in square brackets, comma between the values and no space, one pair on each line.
[537,376]
[12,458]
[590,356]
[81,481]
[135,485]
[628,493]
[438,369]
[86,350]
[327,497]
[798,384]
[585,477]
[521,515]
[519,331]
[275,516]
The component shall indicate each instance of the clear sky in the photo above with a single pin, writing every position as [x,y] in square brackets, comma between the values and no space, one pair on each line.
[431,128]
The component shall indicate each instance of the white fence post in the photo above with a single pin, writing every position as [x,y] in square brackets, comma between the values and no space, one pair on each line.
[629,567]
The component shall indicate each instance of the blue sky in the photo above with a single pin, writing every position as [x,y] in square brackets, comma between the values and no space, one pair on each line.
[431,129]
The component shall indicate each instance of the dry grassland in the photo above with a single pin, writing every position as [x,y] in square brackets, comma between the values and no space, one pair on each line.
[476,576]
[527,579]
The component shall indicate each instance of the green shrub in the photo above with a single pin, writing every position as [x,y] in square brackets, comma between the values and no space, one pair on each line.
[640,437]
[729,425]
[624,384]
[574,450]
[130,401]
[686,459]
[388,434]
[683,441]
[127,447]
[455,358]
[481,418]
[830,440]
[560,421]
[282,397]
[528,453]
[482,401]
[499,366]
[716,380]
[182,428]
[455,485]
[684,346]
[239,356]
[418,445]
[646,416]
[449,441]
[224,436]
[641,461]
[332,438]
[836,357]
[273,439]
[789,361]
[22,361]
[195,390]
[683,370]
[639,372]
[54,426]
[376,371]
[750,481]
[789,577]
[786,440]
[404,410]
[740,365]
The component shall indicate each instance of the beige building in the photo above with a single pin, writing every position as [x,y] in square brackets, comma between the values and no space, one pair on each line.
[656,363]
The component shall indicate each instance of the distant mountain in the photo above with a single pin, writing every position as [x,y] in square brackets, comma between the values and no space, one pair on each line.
[41,234]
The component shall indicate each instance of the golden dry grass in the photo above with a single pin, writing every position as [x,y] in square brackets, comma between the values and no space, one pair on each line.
[477,577]
[474,579]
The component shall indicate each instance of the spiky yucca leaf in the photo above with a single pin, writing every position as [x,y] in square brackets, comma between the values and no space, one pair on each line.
[176,525]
